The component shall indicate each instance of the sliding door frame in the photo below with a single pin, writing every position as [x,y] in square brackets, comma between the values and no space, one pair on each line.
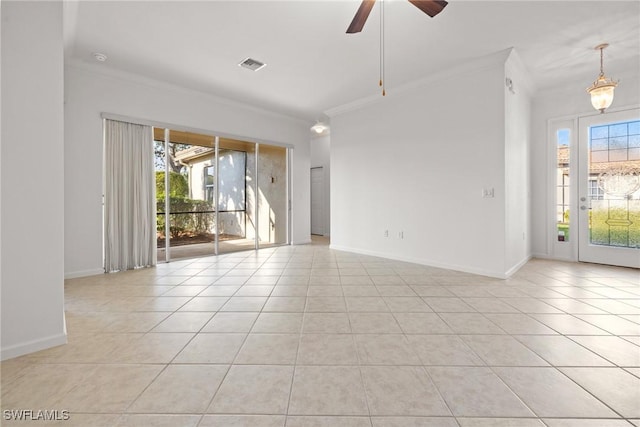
[256,195]
[167,198]
[167,127]
[216,192]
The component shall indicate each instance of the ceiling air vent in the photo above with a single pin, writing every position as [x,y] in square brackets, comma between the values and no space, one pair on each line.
[252,64]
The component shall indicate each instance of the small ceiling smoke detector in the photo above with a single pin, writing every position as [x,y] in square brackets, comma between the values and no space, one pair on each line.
[100,57]
[252,64]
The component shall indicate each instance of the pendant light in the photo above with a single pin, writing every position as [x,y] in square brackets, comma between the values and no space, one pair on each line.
[602,89]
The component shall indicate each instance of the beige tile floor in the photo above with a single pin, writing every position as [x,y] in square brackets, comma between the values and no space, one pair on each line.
[308,336]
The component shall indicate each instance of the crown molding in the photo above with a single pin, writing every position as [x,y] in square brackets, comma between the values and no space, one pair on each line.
[139,79]
[468,67]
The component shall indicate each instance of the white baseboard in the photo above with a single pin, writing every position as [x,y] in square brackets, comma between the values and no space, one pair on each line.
[426,262]
[510,272]
[32,346]
[83,273]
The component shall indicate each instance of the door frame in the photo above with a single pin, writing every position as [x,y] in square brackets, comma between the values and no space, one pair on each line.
[610,255]
[322,202]
[565,250]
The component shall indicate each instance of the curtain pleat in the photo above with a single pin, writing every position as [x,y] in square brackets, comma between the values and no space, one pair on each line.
[130,205]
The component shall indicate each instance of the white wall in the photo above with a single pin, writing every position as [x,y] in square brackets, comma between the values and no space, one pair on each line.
[1,180]
[416,162]
[517,175]
[32,206]
[90,91]
[320,157]
[565,103]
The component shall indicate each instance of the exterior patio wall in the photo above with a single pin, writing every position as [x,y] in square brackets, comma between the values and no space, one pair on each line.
[271,193]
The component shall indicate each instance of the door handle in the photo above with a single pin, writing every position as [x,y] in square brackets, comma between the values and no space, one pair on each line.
[583,208]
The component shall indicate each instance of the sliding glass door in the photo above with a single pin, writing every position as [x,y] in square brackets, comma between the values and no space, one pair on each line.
[186,216]
[218,195]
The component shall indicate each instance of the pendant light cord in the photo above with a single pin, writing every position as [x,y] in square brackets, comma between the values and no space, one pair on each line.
[381,83]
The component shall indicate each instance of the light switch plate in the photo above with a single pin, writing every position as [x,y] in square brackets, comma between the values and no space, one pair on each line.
[487,193]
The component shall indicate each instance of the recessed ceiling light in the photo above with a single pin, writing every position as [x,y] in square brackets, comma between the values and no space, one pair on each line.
[319,127]
[252,64]
[100,57]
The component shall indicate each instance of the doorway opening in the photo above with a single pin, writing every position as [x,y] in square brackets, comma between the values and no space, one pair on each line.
[317,202]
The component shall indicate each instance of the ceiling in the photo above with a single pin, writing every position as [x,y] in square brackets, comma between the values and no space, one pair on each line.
[313,66]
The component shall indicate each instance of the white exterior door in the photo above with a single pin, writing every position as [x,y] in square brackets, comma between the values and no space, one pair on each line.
[609,189]
[317,201]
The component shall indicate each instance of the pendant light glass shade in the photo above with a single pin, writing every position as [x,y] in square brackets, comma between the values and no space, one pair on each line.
[602,94]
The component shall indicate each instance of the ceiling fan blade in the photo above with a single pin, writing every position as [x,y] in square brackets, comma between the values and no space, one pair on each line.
[430,7]
[361,16]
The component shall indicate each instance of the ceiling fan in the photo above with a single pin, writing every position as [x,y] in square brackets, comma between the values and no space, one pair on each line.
[430,7]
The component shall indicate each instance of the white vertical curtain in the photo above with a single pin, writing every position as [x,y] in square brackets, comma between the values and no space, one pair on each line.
[130,199]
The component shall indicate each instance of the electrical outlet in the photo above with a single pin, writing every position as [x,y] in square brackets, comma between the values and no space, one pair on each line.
[386,233]
[401,235]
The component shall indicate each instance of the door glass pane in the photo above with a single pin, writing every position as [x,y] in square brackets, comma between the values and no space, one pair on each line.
[272,195]
[562,184]
[191,215]
[614,185]
[236,163]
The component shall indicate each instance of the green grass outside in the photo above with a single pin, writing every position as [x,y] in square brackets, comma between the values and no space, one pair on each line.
[564,227]
[603,233]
